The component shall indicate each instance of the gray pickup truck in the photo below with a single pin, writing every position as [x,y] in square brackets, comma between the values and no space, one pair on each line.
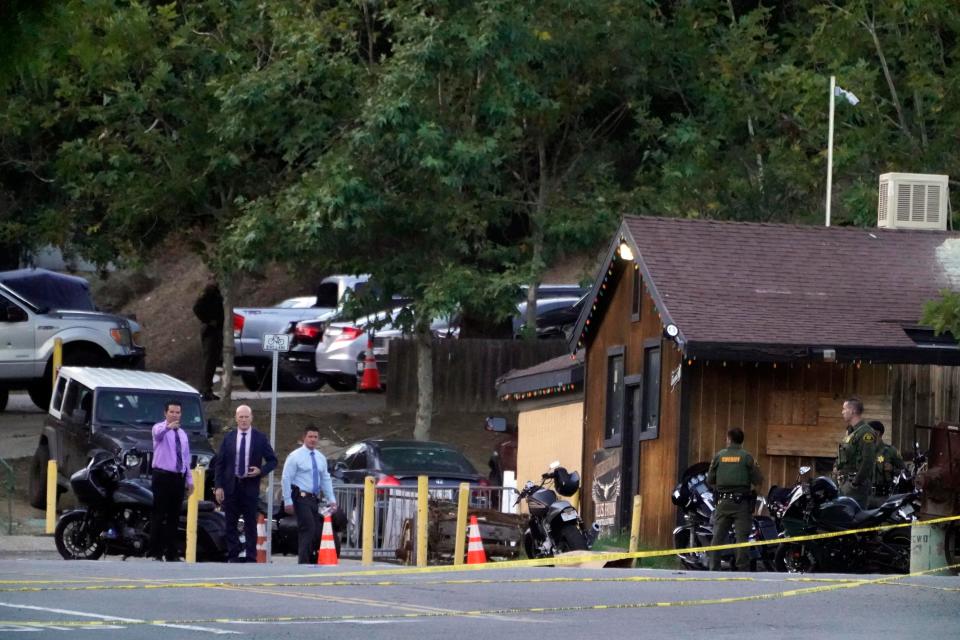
[36,307]
[251,324]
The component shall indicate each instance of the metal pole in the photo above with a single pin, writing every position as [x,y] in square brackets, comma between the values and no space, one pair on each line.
[833,86]
[273,445]
[421,521]
[193,511]
[461,534]
[635,524]
[51,524]
[369,495]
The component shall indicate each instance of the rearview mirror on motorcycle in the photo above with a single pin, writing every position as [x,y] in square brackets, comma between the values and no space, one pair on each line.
[804,470]
[554,465]
[496,424]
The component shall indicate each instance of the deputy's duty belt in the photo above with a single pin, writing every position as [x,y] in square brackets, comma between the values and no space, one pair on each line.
[735,496]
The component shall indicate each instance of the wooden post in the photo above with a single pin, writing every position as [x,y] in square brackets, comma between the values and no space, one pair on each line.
[422,498]
[51,496]
[369,496]
[635,525]
[193,509]
[57,360]
[458,547]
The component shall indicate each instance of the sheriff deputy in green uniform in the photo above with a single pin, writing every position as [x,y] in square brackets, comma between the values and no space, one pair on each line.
[889,465]
[732,474]
[857,455]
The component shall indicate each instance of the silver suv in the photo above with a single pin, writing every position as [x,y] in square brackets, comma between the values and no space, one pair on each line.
[38,306]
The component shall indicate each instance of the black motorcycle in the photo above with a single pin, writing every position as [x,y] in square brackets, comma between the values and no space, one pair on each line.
[817,507]
[554,525]
[115,516]
[696,503]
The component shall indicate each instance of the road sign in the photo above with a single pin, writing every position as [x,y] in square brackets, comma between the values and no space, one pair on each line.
[276,342]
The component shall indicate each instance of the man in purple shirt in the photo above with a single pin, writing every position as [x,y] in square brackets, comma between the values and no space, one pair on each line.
[171,479]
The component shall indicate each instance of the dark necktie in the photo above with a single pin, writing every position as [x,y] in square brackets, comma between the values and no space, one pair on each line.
[176,444]
[316,473]
[242,456]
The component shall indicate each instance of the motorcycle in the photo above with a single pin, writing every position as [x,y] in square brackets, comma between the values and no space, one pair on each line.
[115,516]
[817,507]
[554,525]
[695,500]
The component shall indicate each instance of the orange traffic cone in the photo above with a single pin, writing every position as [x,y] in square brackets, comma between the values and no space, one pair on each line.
[475,552]
[327,554]
[370,381]
[261,539]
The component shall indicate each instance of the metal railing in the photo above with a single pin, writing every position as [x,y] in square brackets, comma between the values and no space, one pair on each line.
[395,514]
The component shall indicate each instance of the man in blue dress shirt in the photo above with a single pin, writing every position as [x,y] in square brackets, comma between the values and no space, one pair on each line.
[305,475]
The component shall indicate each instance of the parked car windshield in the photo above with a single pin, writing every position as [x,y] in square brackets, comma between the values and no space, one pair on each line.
[394,459]
[128,407]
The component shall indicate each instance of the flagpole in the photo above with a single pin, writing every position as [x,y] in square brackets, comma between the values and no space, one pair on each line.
[833,86]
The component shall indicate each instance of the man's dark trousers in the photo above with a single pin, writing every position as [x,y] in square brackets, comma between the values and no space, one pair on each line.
[740,515]
[168,491]
[309,525]
[236,503]
[211,344]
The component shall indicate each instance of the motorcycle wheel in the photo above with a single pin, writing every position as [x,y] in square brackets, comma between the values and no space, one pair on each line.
[571,538]
[77,541]
[901,548]
[693,561]
[792,558]
[528,545]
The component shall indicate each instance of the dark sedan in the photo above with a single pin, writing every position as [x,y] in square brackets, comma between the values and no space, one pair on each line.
[396,463]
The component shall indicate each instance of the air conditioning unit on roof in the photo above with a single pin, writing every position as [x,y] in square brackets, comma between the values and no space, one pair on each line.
[912,201]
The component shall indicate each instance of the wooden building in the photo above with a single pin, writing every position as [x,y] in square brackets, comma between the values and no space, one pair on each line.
[549,402]
[697,326]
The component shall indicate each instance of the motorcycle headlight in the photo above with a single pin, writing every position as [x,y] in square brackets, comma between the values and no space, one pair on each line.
[131,460]
[203,461]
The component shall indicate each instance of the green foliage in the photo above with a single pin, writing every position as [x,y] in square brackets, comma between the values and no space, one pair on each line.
[943,314]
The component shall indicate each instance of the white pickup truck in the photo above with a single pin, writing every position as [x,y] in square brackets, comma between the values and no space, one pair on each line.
[38,306]
[251,324]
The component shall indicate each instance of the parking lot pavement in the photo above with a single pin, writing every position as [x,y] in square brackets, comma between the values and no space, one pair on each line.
[19,427]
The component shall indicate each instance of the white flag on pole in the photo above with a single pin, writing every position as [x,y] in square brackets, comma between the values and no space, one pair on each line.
[843,93]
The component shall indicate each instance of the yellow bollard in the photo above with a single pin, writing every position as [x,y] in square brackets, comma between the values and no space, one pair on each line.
[422,497]
[462,503]
[57,360]
[51,496]
[369,496]
[193,510]
[635,525]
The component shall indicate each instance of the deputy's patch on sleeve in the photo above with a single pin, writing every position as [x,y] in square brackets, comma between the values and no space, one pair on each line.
[868,437]
[730,459]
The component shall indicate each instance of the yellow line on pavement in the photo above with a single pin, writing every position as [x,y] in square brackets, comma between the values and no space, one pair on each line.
[853,584]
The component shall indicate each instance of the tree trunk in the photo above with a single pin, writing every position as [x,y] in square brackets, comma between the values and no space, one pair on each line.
[424,340]
[537,240]
[228,289]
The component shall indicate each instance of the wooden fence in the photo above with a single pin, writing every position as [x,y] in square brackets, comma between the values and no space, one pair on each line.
[464,371]
[923,394]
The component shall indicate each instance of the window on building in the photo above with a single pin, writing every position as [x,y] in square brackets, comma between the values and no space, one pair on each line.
[636,305]
[613,430]
[651,394]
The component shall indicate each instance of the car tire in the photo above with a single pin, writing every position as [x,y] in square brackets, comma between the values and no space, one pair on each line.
[39,393]
[250,380]
[38,480]
[4,396]
[292,381]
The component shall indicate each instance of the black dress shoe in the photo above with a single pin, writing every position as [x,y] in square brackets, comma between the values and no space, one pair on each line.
[174,560]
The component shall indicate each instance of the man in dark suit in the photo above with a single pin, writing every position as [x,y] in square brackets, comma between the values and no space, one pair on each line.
[245,455]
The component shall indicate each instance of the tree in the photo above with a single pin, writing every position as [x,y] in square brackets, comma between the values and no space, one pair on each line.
[136,121]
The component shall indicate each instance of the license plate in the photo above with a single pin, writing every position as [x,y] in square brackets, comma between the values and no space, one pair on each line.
[568,515]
